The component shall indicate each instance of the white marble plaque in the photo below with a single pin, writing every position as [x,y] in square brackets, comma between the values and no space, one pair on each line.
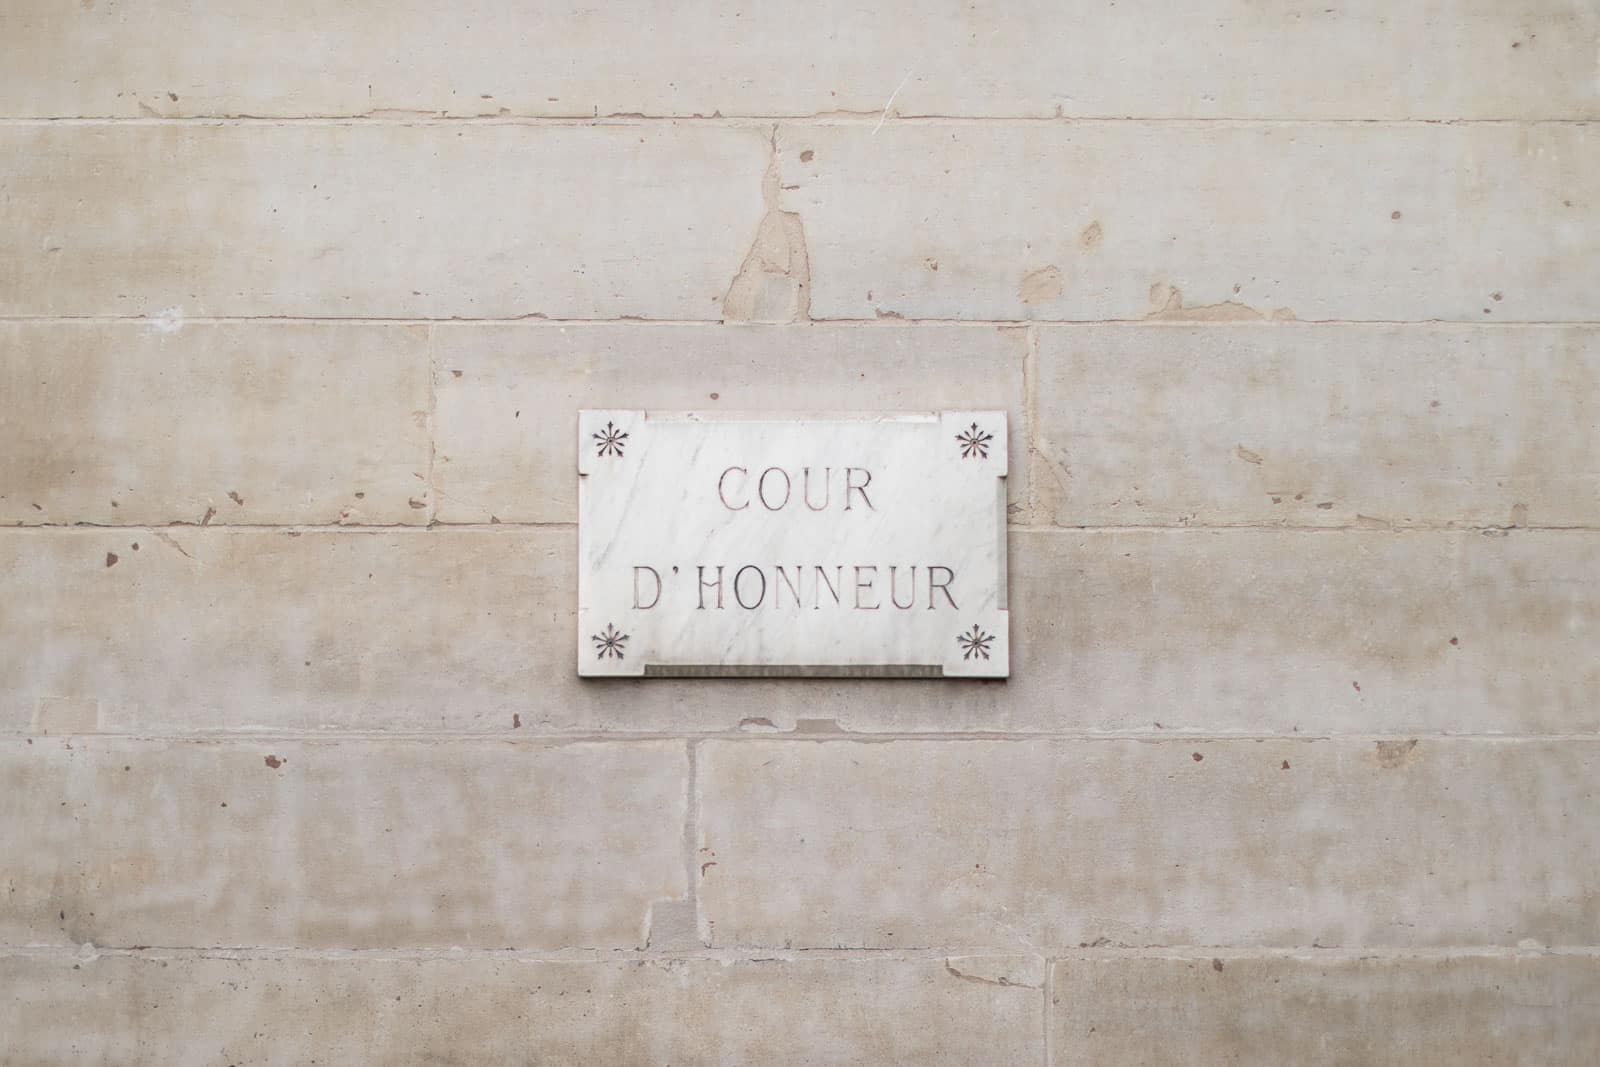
[842,545]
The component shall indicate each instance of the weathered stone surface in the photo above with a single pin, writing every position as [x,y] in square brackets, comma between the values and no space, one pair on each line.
[1216,631]
[291,1011]
[348,844]
[213,423]
[1304,613]
[1318,426]
[1308,631]
[378,220]
[491,57]
[1528,1010]
[1046,846]
[1390,425]
[218,629]
[1199,222]
[509,394]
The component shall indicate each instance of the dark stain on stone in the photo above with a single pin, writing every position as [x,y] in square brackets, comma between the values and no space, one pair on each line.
[111,559]
[516,721]
[1396,753]
[1216,965]
[1285,766]
[456,373]
[1455,641]
[807,156]
[274,762]
[816,726]
[1357,686]
[1197,757]
[233,495]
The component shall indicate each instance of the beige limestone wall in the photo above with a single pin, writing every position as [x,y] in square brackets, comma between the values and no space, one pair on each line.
[1293,309]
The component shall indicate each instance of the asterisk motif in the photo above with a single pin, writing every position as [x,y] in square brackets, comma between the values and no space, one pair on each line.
[975,643]
[974,442]
[610,440]
[609,641]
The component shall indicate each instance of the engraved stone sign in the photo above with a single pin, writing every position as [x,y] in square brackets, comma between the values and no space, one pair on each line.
[826,545]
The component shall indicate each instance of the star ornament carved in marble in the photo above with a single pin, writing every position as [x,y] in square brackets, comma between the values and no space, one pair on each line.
[609,642]
[779,544]
[609,442]
[975,643]
[974,443]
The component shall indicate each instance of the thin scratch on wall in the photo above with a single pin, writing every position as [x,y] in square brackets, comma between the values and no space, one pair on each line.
[890,102]
[171,543]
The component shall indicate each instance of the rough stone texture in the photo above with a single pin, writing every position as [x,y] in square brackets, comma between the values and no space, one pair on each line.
[377,220]
[1046,846]
[509,394]
[411,1012]
[1310,631]
[382,844]
[1232,533]
[1204,631]
[1197,222]
[217,629]
[1318,426]
[213,423]
[1236,59]
[1530,1010]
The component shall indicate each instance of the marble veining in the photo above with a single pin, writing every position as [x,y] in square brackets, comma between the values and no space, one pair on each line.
[847,544]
